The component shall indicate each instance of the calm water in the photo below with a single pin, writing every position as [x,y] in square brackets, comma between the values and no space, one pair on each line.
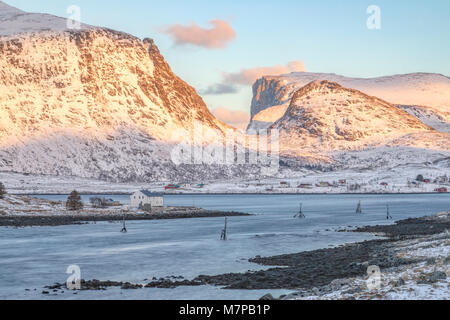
[31,258]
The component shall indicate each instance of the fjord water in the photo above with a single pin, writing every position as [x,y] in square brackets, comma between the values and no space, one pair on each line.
[31,258]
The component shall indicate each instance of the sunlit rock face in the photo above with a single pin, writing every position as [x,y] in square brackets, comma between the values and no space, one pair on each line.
[426,94]
[90,102]
[323,115]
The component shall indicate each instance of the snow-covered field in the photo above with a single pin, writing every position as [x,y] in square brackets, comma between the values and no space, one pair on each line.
[399,179]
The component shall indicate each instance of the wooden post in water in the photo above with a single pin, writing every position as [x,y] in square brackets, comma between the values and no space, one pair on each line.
[388,214]
[300,213]
[124,228]
[224,231]
[358,208]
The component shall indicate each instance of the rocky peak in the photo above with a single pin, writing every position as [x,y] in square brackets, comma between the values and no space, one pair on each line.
[324,115]
[431,91]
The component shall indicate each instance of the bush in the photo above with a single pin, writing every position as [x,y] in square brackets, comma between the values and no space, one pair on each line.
[98,202]
[74,201]
[2,190]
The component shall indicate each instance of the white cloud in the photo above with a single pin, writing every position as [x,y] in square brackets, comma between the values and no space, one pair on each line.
[216,37]
[237,119]
[249,76]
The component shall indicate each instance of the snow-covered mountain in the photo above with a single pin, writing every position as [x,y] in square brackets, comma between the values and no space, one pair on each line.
[14,21]
[91,102]
[101,104]
[439,120]
[325,117]
[272,94]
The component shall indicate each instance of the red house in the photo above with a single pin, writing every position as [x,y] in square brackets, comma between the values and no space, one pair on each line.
[172,187]
[441,190]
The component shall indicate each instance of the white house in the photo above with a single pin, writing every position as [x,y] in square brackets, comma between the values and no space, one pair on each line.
[145,197]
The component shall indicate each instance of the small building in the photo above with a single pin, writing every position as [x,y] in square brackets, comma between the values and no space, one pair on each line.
[441,180]
[441,190]
[141,198]
[172,187]
[323,184]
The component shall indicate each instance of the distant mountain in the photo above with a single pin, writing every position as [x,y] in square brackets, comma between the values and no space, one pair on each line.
[324,116]
[437,119]
[272,94]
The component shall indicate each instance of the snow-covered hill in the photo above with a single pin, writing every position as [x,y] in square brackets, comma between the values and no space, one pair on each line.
[432,91]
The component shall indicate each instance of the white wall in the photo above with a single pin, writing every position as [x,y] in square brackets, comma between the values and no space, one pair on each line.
[139,198]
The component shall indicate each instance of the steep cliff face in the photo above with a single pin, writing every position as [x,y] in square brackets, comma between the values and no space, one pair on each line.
[92,102]
[424,89]
[324,116]
[92,80]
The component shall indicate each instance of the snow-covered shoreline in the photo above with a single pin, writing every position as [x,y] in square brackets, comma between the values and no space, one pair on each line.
[426,279]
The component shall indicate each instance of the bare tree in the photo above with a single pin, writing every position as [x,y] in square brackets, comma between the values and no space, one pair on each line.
[97,202]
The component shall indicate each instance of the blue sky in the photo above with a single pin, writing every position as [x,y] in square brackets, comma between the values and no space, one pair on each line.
[327,35]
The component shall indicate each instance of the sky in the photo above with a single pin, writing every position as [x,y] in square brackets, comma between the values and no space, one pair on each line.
[219,47]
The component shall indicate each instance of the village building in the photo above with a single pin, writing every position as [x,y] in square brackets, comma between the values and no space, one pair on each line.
[143,198]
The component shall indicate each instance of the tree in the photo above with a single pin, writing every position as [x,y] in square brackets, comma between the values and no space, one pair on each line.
[74,201]
[97,202]
[419,178]
[2,190]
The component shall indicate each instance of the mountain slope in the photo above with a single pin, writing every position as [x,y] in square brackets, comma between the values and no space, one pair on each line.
[14,21]
[429,90]
[92,102]
[324,116]
[437,120]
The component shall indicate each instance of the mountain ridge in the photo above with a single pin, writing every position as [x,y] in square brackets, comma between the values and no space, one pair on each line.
[426,89]
[325,116]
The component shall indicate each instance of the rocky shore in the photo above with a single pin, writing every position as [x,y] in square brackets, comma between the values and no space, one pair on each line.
[322,272]
[65,219]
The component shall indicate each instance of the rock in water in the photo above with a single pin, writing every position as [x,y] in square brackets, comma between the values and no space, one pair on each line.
[267,297]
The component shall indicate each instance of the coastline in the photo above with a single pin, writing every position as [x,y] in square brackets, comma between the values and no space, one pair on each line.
[330,272]
[233,193]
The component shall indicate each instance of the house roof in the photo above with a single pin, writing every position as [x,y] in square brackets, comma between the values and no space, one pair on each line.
[151,194]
